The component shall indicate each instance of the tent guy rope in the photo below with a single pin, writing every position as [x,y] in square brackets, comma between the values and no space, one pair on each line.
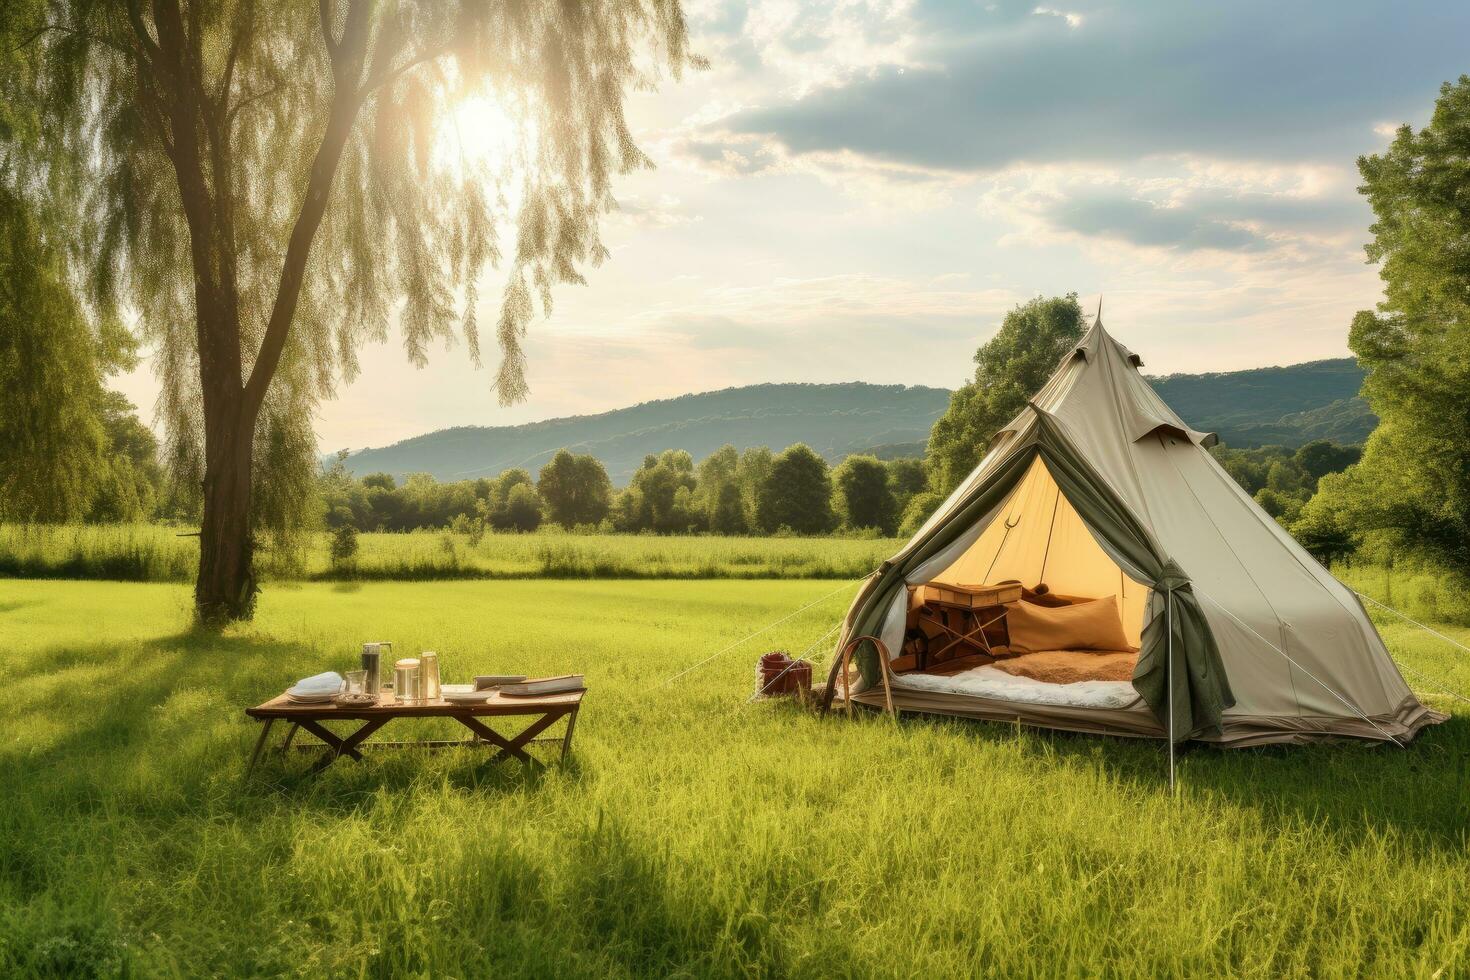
[1356,710]
[769,626]
[1434,682]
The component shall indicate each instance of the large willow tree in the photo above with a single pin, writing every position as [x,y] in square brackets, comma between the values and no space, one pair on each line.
[270,184]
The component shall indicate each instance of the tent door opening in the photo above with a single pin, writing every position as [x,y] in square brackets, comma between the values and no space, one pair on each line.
[1033,610]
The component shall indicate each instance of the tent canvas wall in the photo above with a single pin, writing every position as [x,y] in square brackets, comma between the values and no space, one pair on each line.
[1098,488]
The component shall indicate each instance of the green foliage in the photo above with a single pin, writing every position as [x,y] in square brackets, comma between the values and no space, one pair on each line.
[660,497]
[69,448]
[752,473]
[920,507]
[131,477]
[134,845]
[1009,368]
[1412,486]
[576,489]
[522,509]
[1294,472]
[728,513]
[1283,482]
[343,550]
[1319,458]
[1283,505]
[862,495]
[718,472]
[796,494]
[1319,526]
[52,441]
[907,477]
[513,487]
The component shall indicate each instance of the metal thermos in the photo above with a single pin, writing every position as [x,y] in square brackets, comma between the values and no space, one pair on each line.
[372,662]
[429,675]
[406,680]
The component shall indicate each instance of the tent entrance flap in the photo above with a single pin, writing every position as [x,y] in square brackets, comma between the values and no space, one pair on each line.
[1039,538]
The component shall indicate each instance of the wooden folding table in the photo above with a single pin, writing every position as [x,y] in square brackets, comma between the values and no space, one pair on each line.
[546,709]
[976,609]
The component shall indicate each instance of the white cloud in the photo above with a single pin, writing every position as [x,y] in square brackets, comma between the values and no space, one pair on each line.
[1074,21]
[1208,209]
[663,211]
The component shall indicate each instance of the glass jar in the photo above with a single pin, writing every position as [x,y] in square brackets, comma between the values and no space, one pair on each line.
[429,675]
[406,680]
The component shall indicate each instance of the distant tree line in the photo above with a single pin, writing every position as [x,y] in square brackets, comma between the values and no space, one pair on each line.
[730,492]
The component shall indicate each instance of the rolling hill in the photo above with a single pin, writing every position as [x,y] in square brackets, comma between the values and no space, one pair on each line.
[834,419]
[1283,405]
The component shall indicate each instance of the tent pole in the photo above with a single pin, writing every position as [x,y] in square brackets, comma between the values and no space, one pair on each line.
[1169,678]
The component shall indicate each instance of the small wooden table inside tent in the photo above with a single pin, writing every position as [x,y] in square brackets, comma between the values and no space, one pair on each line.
[958,619]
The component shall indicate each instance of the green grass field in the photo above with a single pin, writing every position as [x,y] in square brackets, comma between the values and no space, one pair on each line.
[151,553]
[690,833]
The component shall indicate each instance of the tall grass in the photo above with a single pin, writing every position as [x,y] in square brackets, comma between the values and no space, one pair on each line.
[691,834]
[158,554]
[1424,594]
[120,552]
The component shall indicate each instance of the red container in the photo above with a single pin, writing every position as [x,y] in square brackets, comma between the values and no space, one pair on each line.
[777,674]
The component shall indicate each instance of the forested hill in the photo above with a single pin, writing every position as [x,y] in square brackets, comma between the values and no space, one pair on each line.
[1286,405]
[834,419]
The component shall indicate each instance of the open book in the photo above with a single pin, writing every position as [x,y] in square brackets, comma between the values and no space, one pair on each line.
[534,686]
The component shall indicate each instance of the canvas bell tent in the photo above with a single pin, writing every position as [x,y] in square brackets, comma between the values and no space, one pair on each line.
[1148,593]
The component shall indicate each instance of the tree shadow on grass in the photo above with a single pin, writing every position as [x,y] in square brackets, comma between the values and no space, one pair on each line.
[346,785]
[175,707]
[629,904]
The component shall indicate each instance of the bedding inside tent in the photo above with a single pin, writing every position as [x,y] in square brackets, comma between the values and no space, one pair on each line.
[1074,636]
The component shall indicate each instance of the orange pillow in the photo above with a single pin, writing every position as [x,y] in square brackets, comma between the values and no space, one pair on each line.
[1093,625]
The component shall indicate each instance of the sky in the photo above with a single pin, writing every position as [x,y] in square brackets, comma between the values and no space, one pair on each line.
[858,190]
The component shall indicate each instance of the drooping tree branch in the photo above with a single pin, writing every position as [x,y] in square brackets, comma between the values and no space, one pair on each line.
[348,57]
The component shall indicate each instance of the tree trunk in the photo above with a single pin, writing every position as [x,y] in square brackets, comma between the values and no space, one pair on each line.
[225,588]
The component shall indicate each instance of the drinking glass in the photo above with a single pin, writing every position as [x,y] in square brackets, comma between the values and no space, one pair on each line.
[355,681]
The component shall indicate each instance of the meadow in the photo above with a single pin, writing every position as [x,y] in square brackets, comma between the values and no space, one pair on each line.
[690,833]
[154,553]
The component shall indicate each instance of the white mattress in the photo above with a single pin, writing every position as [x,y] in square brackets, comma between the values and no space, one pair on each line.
[987,682]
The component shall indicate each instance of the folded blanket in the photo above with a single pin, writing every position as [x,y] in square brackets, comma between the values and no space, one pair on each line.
[330,681]
[1071,666]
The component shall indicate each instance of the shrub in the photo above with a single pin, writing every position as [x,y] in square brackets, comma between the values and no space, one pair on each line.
[343,551]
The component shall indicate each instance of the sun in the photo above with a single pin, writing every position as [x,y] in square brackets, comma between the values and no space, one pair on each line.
[482,134]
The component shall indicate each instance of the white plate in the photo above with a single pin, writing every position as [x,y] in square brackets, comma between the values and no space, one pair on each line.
[465,697]
[316,694]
